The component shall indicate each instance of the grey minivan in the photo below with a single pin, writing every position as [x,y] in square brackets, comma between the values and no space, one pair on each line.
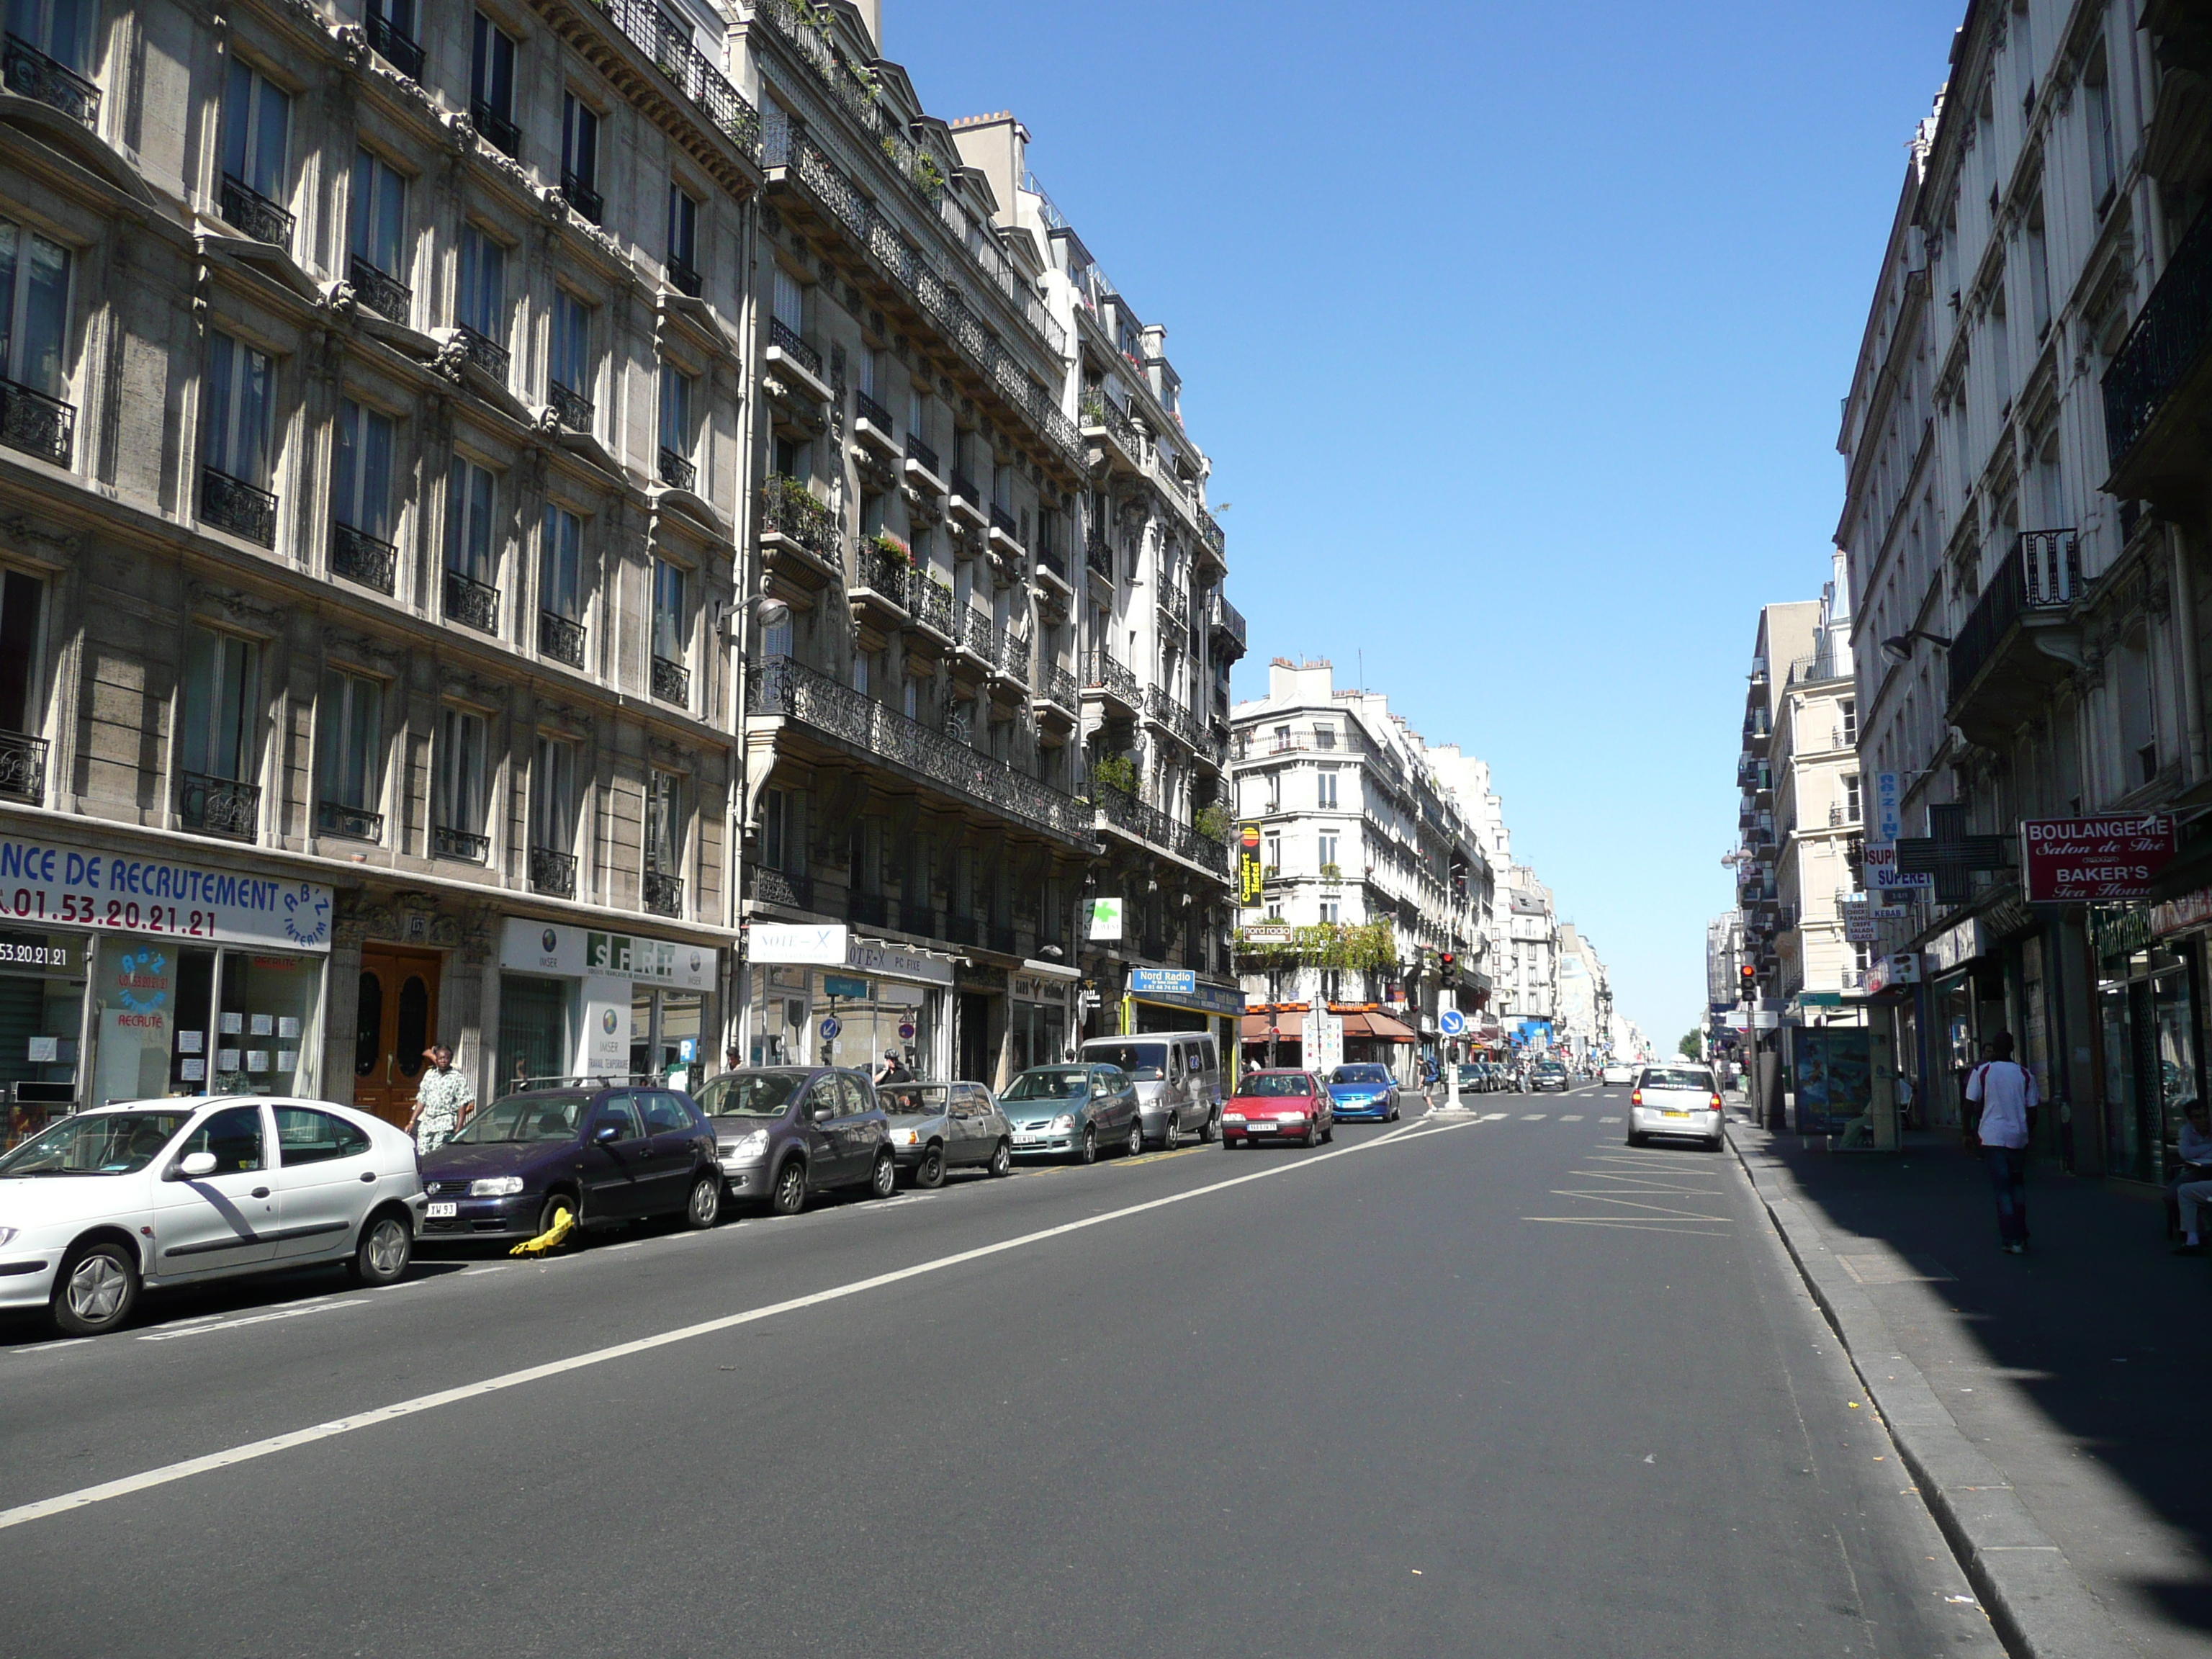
[1178,1079]
[784,1133]
[936,1127]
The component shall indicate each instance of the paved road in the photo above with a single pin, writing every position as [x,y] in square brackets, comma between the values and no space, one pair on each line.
[1490,1384]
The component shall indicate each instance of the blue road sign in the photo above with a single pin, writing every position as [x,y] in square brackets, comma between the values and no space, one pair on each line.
[1452,1022]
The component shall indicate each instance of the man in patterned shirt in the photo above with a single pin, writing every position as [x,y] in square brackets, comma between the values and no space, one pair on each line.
[441,1100]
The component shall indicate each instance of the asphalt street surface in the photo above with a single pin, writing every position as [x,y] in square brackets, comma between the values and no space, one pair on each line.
[1491,1385]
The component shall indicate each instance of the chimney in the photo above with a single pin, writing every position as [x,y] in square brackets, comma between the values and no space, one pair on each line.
[872,13]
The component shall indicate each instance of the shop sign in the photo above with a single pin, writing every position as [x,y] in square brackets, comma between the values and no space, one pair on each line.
[45,881]
[1898,967]
[837,985]
[2119,930]
[1249,880]
[596,953]
[808,943]
[2171,915]
[1887,823]
[1267,932]
[2087,860]
[1162,981]
[1882,874]
[1201,997]
[1858,921]
[1956,945]
[1105,919]
[867,957]
[1321,1042]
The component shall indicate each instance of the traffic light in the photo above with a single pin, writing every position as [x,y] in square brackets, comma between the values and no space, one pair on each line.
[1446,960]
[1750,976]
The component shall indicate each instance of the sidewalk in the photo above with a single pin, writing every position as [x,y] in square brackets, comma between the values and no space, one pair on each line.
[2082,1371]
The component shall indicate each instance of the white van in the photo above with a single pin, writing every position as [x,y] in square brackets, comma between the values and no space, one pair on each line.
[1178,1079]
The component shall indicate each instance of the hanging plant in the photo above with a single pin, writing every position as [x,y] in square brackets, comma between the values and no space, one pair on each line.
[1364,946]
[892,548]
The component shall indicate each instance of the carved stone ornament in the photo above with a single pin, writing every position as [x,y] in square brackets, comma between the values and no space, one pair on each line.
[362,647]
[239,607]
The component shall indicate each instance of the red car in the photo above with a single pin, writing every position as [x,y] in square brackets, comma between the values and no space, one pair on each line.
[1294,1105]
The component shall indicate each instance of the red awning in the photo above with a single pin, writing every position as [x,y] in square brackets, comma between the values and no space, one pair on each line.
[1289,1026]
[1380,1027]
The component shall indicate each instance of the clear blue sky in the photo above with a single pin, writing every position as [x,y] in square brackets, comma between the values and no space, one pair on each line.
[1518,336]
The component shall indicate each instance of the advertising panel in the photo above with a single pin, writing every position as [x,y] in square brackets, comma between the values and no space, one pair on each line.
[1831,1067]
[1882,875]
[597,953]
[1886,825]
[1250,881]
[1321,1042]
[2095,861]
[43,881]
[1105,919]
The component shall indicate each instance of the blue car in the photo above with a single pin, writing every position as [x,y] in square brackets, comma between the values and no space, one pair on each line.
[1364,1091]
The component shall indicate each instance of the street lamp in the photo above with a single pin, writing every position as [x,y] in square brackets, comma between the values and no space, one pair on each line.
[1898,647]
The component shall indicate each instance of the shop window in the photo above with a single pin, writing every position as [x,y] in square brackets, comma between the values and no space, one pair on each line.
[217,714]
[534,1038]
[42,986]
[266,1027]
[34,310]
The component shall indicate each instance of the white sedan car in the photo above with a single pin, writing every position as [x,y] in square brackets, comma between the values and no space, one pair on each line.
[154,1193]
[1618,1071]
[1681,1099]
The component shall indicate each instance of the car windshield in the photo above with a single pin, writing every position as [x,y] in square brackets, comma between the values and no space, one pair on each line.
[1677,1077]
[1147,1062]
[1049,1083]
[1359,1074]
[523,1117]
[96,1143]
[912,1099]
[1549,1065]
[750,1094]
[1276,1083]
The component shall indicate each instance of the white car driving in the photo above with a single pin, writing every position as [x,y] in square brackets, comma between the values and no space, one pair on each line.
[153,1192]
[1618,1071]
[1680,1099]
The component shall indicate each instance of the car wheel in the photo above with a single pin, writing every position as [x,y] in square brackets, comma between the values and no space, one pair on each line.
[1312,1136]
[1716,1143]
[96,1290]
[929,1174]
[1210,1131]
[1330,1133]
[704,1208]
[1086,1149]
[1002,1161]
[883,1180]
[1137,1135]
[1171,1135]
[549,1211]
[1393,1118]
[1634,1138]
[386,1246]
[788,1195]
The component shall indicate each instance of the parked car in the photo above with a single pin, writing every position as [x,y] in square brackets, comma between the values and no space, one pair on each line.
[1363,1091]
[1675,1100]
[936,1127]
[1177,1076]
[1294,1105]
[784,1132]
[1549,1074]
[1073,1111]
[608,1154]
[148,1193]
[1618,1070]
[1473,1078]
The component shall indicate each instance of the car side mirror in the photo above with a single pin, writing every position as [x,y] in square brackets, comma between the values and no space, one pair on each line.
[193,1166]
[607,1135]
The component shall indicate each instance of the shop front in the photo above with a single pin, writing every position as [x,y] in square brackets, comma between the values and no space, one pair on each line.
[124,977]
[2149,986]
[592,1001]
[1178,999]
[820,995]
[1043,1020]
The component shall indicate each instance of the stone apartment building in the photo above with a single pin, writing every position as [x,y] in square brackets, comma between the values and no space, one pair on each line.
[1817,810]
[1528,971]
[369,476]
[2024,518]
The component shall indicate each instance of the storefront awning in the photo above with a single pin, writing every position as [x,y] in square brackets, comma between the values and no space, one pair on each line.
[1380,1027]
[1290,1027]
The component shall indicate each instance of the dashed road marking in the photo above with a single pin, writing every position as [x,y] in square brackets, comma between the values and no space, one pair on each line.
[1571,1117]
[1534,1117]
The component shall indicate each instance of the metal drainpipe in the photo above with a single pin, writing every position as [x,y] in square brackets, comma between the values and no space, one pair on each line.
[2185,622]
[735,1003]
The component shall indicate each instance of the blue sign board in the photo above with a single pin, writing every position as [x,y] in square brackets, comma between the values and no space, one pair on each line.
[837,985]
[830,1027]
[1452,1022]
[1156,981]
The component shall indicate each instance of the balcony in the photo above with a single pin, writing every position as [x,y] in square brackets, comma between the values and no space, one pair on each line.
[785,344]
[667,41]
[671,682]
[664,893]
[681,277]
[481,349]
[382,292]
[447,842]
[22,767]
[930,602]
[853,723]
[360,557]
[881,572]
[921,455]
[2159,389]
[552,873]
[1051,561]
[218,807]
[1104,422]
[677,472]
[1826,665]
[234,505]
[1112,681]
[351,822]
[254,214]
[497,127]
[1005,533]
[561,638]
[1013,655]
[30,73]
[2017,643]
[470,603]
[396,49]
[1172,600]
[977,635]
[590,206]
[782,887]
[37,424]
[1226,624]
[1098,557]
[571,408]
[872,425]
[966,502]
[799,533]
[1056,686]
[1144,822]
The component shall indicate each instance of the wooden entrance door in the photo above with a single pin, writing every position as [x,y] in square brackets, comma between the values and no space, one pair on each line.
[396,1020]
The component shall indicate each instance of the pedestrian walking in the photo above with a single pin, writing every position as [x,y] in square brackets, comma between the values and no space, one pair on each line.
[442,1101]
[2004,1090]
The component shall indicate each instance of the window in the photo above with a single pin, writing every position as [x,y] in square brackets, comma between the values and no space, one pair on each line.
[1324,736]
[553,796]
[1274,911]
[790,301]
[1328,912]
[684,239]
[34,309]
[1327,850]
[469,492]
[2038,272]
[1274,792]
[19,597]
[668,611]
[307,1136]
[775,830]
[663,824]
[1849,709]
[1325,782]
[460,786]
[482,305]
[1272,850]
[364,480]
[380,216]
[910,699]
[675,413]
[1282,738]
[60,28]
[257,121]
[580,154]
[240,413]
[217,714]
[917,416]
[233,1137]
[1852,798]
[560,565]
[491,84]
[2104,156]
[570,368]
[350,772]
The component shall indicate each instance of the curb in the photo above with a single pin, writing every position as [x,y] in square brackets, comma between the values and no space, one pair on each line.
[2039,1606]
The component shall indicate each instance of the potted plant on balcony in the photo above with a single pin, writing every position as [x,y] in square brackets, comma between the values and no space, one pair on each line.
[892,548]
[1332,873]
[1213,823]
[1115,772]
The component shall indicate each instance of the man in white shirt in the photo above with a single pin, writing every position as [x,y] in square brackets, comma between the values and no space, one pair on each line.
[2005,1091]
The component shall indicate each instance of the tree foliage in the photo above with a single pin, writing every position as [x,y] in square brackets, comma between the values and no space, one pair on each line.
[1692,1047]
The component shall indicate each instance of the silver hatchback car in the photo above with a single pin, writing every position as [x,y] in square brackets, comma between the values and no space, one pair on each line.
[1675,1100]
[936,1127]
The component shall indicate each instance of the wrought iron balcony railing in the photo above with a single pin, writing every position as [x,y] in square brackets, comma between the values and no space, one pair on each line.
[677,472]
[22,767]
[867,408]
[1014,654]
[664,893]
[786,690]
[1172,599]
[552,873]
[382,292]
[2167,339]
[919,452]
[395,48]
[37,424]
[242,509]
[1053,560]
[448,842]
[1102,673]
[486,353]
[929,601]
[360,557]
[2043,573]
[671,682]
[30,73]
[787,339]
[588,202]
[665,37]
[1228,624]
[789,509]
[782,887]
[570,407]
[561,638]
[1004,522]
[963,488]
[254,214]
[218,807]
[497,127]
[470,603]
[1101,413]
[1058,685]
[1099,556]
[354,822]
[681,277]
[976,635]
[881,571]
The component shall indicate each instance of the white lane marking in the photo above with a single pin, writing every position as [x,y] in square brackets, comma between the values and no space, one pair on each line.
[53,1347]
[64,1502]
[251,1319]
[1613,1119]
[1493,1117]
[1534,1117]
[1571,1117]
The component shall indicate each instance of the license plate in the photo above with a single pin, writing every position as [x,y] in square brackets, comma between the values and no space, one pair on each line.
[443,1212]
[1672,1111]
[1024,1138]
